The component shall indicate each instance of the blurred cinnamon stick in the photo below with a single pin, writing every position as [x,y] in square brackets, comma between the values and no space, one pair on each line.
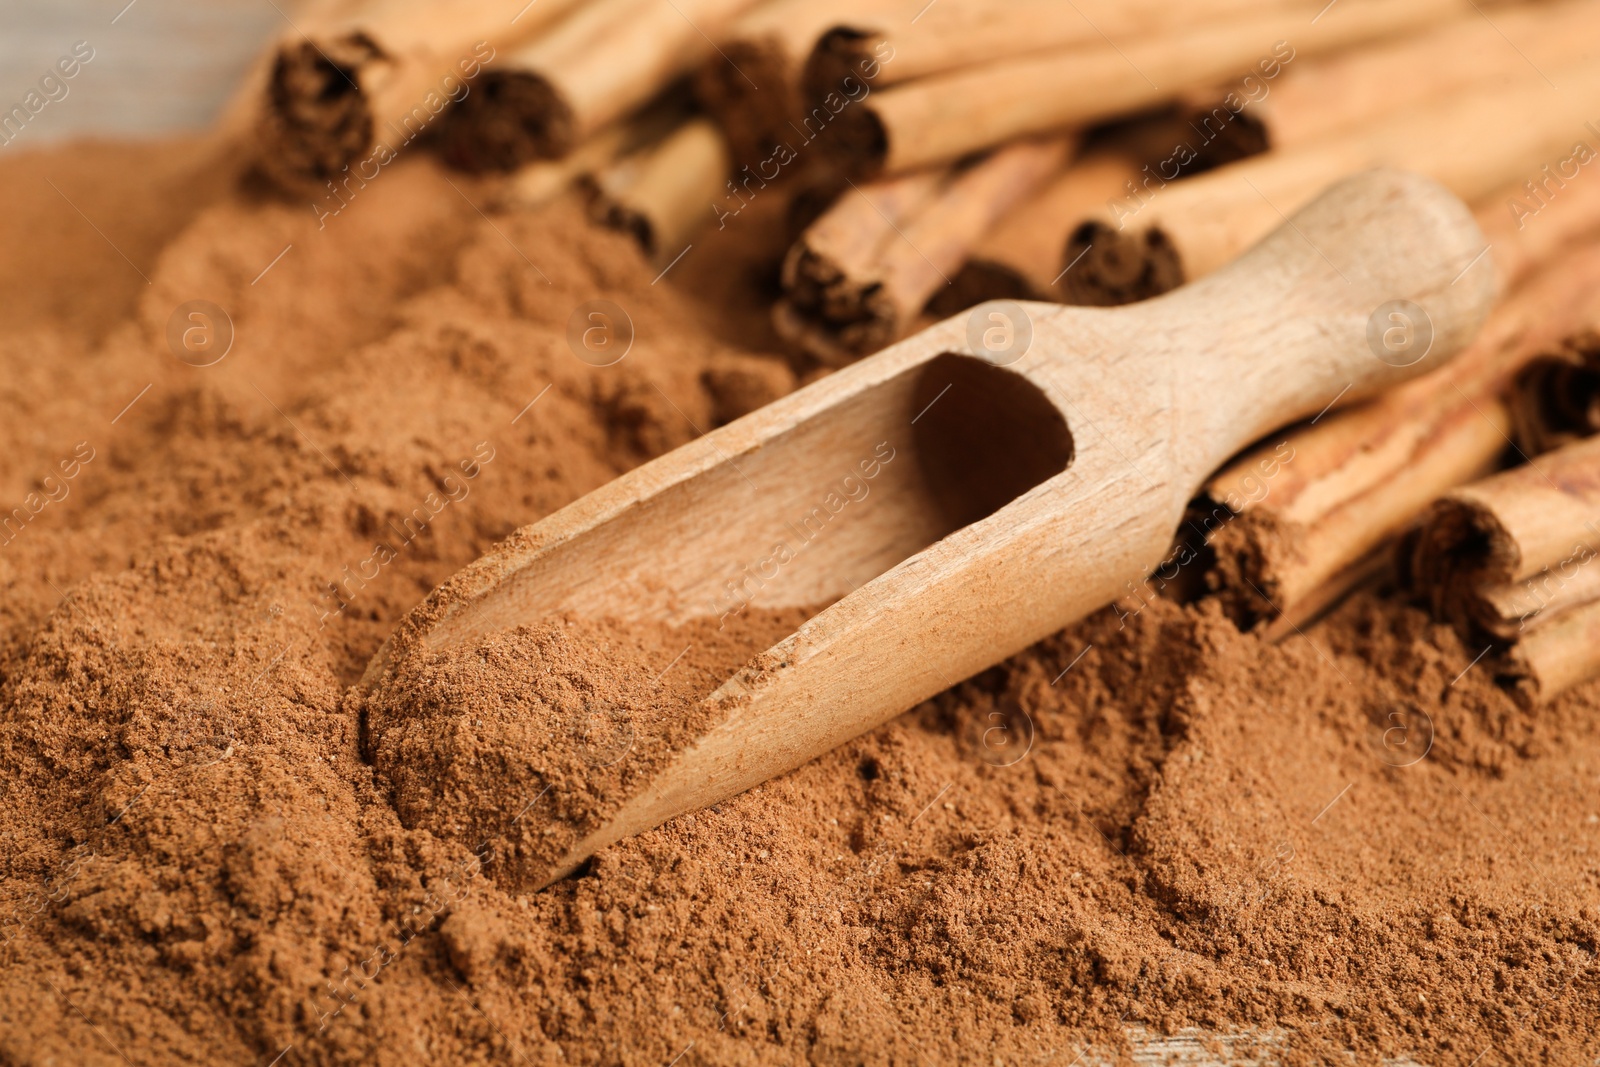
[1191,227]
[662,194]
[955,34]
[754,87]
[360,88]
[589,70]
[1323,95]
[942,117]
[535,184]
[1297,512]
[1556,399]
[858,277]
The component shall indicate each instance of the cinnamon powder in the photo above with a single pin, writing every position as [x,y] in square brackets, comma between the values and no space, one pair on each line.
[519,745]
[1147,825]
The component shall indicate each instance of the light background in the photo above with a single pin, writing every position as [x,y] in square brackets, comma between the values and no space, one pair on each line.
[160,66]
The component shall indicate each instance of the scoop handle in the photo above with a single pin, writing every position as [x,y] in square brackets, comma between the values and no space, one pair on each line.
[1383,277]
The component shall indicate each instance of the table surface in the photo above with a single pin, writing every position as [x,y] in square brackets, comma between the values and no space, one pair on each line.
[158,66]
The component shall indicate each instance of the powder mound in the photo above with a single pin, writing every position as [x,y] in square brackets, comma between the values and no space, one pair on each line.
[521,743]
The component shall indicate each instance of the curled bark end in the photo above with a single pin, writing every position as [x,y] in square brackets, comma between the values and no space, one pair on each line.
[513,118]
[318,119]
[1105,267]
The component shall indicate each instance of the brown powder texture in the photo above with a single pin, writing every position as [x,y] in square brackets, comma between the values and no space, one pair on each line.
[57,270]
[1149,824]
[519,745]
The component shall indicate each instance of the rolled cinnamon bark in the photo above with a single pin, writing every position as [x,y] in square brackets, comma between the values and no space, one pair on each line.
[955,34]
[859,276]
[378,79]
[1506,609]
[536,184]
[1203,222]
[754,87]
[1296,513]
[1556,399]
[1321,96]
[664,192]
[1512,552]
[1273,560]
[1526,224]
[845,242]
[945,116]
[591,69]
[1020,259]
[1154,139]
[1549,660]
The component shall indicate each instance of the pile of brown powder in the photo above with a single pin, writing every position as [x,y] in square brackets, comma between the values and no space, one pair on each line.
[519,745]
[1148,823]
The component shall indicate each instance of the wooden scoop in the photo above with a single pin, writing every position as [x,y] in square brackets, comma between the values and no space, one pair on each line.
[970,490]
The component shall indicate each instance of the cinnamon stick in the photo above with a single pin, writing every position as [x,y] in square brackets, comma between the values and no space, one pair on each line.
[956,34]
[1556,399]
[858,277]
[535,184]
[598,64]
[754,87]
[1273,560]
[1548,661]
[663,193]
[1321,96]
[1153,139]
[945,116]
[1512,552]
[1020,259]
[1193,226]
[1293,514]
[1531,218]
[355,91]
